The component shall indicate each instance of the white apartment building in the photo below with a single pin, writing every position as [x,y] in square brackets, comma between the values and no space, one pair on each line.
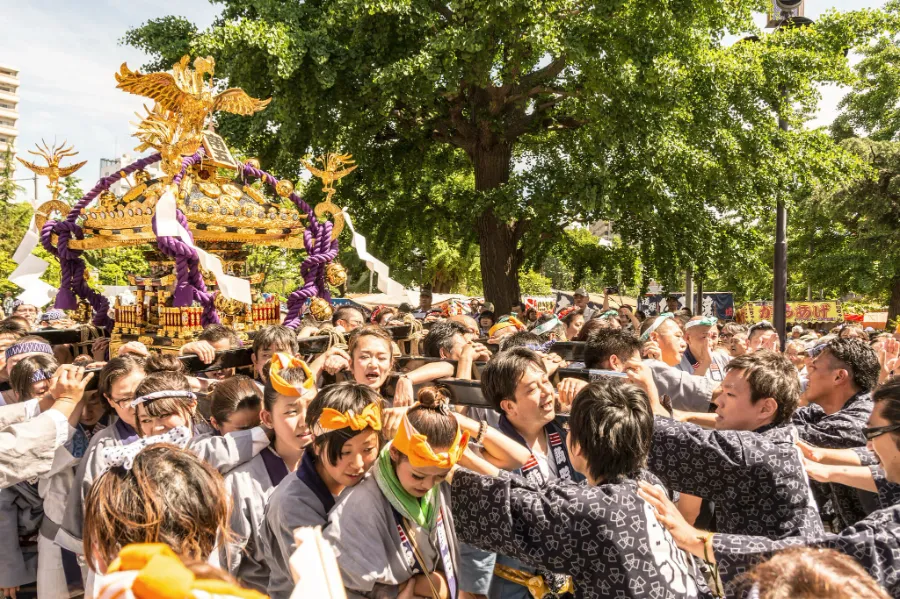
[9,108]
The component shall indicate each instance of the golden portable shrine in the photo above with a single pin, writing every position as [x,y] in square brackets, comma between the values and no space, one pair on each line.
[198,214]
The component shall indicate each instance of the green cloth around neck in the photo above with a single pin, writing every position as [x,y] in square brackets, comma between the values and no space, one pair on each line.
[421,511]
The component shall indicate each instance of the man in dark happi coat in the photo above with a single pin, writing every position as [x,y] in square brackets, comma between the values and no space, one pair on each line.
[516,384]
[874,541]
[748,466]
[602,533]
[841,377]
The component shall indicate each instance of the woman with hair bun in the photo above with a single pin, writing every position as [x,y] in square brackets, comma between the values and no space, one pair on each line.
[393,532]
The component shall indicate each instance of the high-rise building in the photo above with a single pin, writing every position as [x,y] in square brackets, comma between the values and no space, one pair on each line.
[603,231]
[9,108]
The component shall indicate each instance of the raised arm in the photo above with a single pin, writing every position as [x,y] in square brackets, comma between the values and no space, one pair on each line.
[499,450]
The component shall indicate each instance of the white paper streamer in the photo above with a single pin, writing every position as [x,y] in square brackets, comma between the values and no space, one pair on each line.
[28,276]
[167,225]
[385,283]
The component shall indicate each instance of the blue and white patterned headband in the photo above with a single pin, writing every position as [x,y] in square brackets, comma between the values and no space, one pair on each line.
[659,320]
[160,395]
[41,375]
[53,315]
[547,326]
[123,455]
[543,348]
[29,347]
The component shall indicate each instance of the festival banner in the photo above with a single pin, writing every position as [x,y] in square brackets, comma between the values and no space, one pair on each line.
[717,304]
[824,311]
[564,300]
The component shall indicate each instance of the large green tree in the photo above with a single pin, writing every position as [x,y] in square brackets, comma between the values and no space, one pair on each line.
[502,122]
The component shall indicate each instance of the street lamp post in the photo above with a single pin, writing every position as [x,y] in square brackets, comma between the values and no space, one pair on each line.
[791,16]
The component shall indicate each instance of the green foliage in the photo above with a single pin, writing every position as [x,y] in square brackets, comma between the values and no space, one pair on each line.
[166,38]
[71,190]
[495,125]
[853,232]
[534,283]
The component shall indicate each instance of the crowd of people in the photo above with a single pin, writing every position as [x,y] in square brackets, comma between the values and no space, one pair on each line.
[676,456]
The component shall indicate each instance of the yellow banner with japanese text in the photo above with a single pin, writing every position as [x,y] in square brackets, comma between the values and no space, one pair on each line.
[796,312]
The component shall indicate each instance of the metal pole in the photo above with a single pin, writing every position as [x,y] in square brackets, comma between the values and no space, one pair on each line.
[698,304]
[780,267]
[689,289]
[35,188]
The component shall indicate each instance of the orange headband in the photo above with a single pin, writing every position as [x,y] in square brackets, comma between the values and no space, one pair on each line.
[279,362]
[332,420]
[512,321]
[416,447]
[161,575]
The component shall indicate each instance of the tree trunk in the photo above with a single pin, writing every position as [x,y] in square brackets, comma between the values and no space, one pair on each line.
[498,240]
[894,307]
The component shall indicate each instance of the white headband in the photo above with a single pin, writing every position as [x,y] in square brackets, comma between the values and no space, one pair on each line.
[659,320]
[547,326]
[160,395]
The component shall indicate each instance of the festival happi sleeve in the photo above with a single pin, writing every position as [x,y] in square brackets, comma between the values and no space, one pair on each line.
[13,570]
[688,392]
[15,413]
[888,492]
[365,540]
[866,457]
[699,461]
[839,431]
[243,553]
[873,542]
[502,514]
[27,449]
[90,467]
[227,452]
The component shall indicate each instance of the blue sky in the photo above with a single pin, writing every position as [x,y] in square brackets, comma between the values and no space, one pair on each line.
[68,50]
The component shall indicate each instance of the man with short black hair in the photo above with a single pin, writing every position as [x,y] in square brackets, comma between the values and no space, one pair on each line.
[516,384]
[601,533]
[762,335]
[445,340]
[347,319]
[610,349]
[840,379]
[748,466]
[269,341]
[213,338]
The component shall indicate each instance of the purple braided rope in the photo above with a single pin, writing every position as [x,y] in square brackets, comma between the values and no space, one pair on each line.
[72,266]
[189,284]
[320,249]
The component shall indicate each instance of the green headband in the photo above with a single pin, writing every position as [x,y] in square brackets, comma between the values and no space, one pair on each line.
[703,322]
[659,320]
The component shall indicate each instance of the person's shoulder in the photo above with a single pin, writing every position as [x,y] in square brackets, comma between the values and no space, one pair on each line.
[247,476]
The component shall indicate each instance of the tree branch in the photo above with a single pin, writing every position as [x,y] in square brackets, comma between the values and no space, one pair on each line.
[443,10]
[541,75]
